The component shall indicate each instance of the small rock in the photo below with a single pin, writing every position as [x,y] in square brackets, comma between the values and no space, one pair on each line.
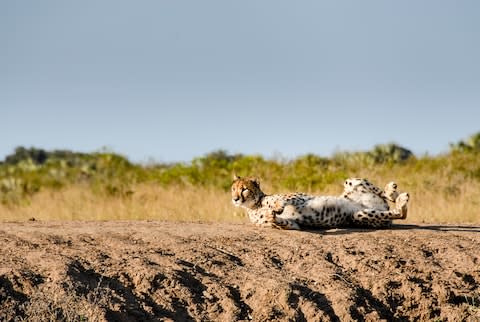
[207,295]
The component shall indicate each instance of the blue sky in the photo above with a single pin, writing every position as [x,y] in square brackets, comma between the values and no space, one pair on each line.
[172,80]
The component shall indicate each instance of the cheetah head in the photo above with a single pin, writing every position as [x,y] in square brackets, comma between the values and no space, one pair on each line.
[246,192]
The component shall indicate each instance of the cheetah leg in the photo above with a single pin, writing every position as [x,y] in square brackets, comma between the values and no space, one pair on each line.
[389,193]
[353,186]
[361,185]
[372,218]
[281,223]
[378,218]
[364,186]
[401,203]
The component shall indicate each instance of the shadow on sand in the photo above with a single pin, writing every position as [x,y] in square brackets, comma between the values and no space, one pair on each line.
[348,230]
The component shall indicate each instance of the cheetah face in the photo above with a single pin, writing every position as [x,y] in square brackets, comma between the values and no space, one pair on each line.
[246,192]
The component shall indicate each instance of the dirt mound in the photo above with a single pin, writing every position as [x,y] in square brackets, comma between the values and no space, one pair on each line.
[161,271]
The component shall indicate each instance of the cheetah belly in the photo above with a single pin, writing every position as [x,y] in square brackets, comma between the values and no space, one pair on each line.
[322,211]
[369,200]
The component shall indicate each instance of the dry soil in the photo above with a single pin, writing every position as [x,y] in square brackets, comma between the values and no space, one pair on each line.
[166,271]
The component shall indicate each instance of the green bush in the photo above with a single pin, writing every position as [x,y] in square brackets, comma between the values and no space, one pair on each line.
[472,144]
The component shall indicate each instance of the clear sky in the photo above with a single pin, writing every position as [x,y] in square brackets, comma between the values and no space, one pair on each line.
[171,80]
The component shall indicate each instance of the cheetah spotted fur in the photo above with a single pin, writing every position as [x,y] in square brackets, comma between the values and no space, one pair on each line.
[361,204]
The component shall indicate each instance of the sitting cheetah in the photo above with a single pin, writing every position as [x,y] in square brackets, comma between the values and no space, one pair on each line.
[361,204]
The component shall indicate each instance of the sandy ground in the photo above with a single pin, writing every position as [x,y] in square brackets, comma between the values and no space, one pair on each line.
[165,271]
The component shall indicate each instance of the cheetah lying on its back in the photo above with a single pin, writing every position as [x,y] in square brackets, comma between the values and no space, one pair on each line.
[361,204]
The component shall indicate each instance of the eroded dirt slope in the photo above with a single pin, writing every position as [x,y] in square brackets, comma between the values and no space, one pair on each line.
[160,271]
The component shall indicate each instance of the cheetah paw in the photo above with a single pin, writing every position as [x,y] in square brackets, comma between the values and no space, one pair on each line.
[402,204]
[391,191]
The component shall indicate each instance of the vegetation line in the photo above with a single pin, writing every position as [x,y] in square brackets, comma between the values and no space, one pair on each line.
[103,185]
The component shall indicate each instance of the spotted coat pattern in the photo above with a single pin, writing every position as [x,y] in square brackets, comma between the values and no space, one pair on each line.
[361,204]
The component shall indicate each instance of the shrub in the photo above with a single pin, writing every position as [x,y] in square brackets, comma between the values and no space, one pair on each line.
[472,144]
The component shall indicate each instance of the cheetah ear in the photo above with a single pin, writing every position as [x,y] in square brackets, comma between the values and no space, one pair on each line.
[236,177]
[256,181]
